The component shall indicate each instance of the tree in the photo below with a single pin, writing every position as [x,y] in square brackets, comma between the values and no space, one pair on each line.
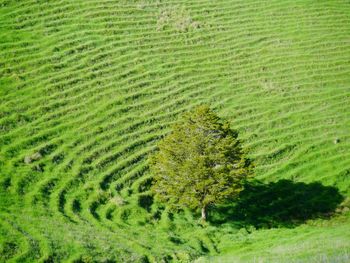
[200,163]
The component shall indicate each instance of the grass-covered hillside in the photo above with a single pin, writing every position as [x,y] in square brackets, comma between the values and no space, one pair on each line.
[87,88]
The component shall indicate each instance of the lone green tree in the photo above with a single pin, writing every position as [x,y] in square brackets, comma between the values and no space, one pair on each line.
[200,163]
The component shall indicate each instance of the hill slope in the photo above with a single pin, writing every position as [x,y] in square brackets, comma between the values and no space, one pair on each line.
[88,87]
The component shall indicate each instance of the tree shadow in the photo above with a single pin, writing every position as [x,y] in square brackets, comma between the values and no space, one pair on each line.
[283,203]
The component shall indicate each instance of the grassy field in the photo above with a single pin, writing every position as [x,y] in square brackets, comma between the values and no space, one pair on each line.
[87,88]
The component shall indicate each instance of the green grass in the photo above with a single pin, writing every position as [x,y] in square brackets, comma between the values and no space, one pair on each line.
[318,241]
[92,86]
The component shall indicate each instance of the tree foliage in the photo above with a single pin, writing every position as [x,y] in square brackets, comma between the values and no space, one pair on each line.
[200,163]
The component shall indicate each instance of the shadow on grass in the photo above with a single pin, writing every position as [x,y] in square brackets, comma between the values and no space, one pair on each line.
[283,203]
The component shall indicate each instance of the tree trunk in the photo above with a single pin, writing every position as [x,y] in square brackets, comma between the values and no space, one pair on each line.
[204,213]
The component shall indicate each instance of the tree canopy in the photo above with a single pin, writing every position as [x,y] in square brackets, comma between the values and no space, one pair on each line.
[199,163]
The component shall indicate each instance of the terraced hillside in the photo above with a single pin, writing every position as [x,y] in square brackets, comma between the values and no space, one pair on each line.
[88,87]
